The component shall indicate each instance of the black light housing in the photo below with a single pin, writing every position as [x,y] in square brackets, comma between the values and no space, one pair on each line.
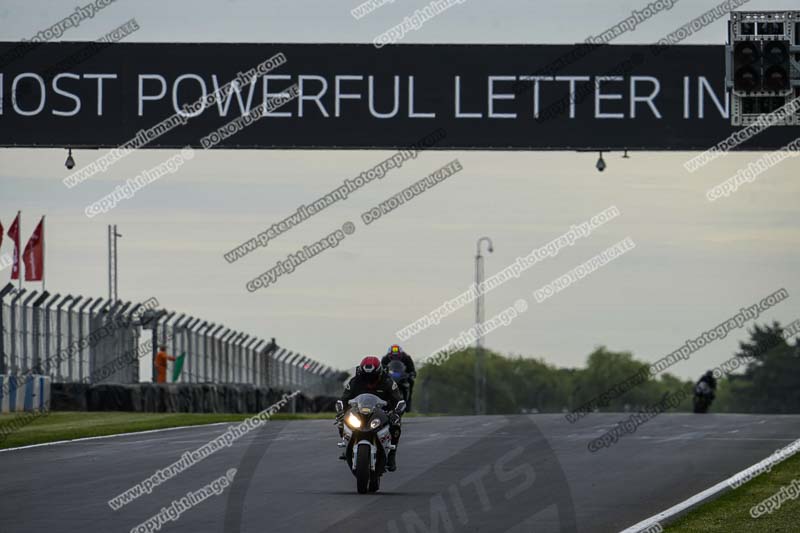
[746,67]
[601,164]
[69,163]
[776,66]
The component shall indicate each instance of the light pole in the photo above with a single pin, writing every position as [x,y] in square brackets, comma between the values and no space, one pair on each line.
[480,378]
[113,295]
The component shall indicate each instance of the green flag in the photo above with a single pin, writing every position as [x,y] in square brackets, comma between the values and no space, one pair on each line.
[178,366]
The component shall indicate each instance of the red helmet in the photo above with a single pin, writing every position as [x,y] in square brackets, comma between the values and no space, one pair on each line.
[370,366]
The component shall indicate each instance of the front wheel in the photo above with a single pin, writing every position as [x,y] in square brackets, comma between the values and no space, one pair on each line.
[362,468]
[375,482]
[701,405]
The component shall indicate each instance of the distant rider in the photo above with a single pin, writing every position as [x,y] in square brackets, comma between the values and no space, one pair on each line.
[396,353]
[371,378]
[709,379]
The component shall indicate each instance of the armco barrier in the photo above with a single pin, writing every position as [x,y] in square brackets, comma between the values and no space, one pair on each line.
[179,398]
[24,393]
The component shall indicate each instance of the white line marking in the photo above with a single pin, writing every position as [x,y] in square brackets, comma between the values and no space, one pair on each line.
[112,436]
[719,488]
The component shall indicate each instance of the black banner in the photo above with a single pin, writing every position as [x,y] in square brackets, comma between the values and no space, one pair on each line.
[497,97]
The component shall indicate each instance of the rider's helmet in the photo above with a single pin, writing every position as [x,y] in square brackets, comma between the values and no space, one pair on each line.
[709,374]
[370,367]
[395,350]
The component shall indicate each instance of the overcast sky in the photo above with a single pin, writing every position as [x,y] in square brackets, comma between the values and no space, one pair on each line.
[695,263]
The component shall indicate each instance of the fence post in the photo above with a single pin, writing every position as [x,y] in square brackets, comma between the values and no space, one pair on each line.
[132,321]
[178,340]
[26,304]
[167,317]
[312,378]
[242,357]
[286,372]
[36,314]
[81,345]
[250,355]
[220,355]
[47,342]
[148,320]
[285,381]
[258,363]
[67,298]
[274,374]
[15,362]
[317,379]
[302,368]
[293,374]
[216,353]
[229,355]
[191,349]
[94,313]
[206,329]
[5,290]
[70,351]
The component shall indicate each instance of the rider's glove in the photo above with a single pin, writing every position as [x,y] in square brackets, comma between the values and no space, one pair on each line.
[394,418]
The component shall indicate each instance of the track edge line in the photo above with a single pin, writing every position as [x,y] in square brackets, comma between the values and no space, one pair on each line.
[679,509]
[98,437]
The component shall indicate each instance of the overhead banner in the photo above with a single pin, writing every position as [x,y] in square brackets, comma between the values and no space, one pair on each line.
[351,96]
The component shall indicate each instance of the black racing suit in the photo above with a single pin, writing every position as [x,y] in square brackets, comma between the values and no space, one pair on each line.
[384,388]
[711,382]
[410,370]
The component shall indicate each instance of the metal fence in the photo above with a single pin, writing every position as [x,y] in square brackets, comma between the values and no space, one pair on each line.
[77,339]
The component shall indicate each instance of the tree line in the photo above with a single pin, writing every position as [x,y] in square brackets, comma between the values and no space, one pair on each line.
[762,376]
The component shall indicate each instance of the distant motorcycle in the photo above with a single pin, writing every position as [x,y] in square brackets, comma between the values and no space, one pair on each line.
[397,370]
[703,396]
[366,439]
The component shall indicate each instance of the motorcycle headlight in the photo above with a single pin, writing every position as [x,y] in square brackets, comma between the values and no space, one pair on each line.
[353,421]
[374,424]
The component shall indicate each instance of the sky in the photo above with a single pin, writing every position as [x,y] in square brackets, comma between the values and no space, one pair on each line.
[695,263]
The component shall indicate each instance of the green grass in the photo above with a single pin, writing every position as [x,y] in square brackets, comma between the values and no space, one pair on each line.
[65,425]
[730,513]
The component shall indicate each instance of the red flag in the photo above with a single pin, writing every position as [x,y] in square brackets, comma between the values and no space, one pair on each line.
[33,257]
[13,233]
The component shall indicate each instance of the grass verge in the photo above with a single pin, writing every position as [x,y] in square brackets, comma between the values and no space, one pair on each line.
[64,425]
[33,428]
[730,513]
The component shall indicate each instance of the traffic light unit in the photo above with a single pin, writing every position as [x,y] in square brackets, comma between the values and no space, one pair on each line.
[763,64]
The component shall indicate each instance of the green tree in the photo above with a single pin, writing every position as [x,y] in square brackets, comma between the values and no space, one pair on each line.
[771,382]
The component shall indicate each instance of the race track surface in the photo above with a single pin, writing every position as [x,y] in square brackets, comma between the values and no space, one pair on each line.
[490,473]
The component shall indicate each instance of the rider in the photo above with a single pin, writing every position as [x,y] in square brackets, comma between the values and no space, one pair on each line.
[396,353]
[709,379]
[371,378]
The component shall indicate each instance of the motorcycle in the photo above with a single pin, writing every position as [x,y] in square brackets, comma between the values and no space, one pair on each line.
[397,370]
[703,396]
[366,439]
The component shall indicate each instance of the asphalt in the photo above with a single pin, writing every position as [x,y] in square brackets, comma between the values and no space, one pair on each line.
[492,473]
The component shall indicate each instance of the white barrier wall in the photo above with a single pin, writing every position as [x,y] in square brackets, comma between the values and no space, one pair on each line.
[24,393]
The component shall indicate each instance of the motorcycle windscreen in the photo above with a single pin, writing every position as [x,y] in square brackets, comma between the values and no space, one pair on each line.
[366,403]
